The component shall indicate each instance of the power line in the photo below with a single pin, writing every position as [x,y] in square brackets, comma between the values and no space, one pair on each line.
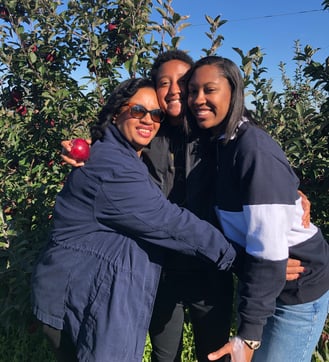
[268,16]
[278,15]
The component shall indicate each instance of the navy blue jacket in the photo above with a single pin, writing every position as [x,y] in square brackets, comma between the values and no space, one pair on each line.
[180,164]
[259,209]
[98,276]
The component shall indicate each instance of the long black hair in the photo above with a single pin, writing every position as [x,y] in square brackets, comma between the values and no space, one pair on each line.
[120,95]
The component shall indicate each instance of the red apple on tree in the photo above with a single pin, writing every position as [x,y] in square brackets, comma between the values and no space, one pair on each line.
[22,110]
[33,48]
[79,150]
[4,13]
[50,57]
[111,27]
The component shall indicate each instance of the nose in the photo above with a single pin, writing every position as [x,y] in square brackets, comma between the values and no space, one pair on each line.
[174,88]
[198,97]
[147,119]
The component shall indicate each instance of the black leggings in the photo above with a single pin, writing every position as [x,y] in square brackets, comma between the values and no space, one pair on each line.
[208,298]
[61,344]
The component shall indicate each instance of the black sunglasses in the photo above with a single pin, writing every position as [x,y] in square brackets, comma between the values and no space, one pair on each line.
[138,111]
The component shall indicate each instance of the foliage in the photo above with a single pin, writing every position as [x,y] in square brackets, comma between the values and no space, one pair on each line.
[172,24]
[325,4]
[216,40]
[17,345]
[43,45]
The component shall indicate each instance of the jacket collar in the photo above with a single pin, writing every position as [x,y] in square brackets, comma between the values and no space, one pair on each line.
[113,132]
[241,122]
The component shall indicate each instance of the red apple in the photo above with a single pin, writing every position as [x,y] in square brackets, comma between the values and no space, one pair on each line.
[111,27]
[79,150]
[50,122]
[22,110]
[4,13]
[50,57]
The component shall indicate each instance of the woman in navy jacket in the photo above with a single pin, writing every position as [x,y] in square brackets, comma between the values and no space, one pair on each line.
[96,280]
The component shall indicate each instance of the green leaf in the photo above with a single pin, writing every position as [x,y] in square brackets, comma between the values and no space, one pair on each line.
[33,58]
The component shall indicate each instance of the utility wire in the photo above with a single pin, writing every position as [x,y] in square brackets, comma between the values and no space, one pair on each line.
[277,15]
[267,16]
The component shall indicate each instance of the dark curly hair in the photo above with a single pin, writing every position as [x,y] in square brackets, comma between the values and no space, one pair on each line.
[120,95]
[165,57]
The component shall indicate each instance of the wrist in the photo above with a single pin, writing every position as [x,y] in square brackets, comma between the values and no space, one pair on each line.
[251,343]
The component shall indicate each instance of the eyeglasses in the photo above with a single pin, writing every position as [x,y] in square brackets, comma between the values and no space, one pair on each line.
[138,111]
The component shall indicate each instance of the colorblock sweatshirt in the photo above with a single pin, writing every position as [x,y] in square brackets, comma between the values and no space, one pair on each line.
[259,209]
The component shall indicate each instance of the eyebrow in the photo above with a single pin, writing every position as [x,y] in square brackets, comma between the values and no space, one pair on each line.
[206,84]
[179,75]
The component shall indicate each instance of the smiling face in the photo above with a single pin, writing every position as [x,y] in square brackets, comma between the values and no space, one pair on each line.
[139,132]
[170,90]
[209,97]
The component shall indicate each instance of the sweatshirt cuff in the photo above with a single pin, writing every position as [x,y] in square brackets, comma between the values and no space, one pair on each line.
[249,331]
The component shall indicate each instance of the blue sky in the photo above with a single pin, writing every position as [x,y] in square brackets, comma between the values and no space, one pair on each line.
[272,25]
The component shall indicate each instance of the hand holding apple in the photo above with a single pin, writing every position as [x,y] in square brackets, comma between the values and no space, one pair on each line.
[75,152]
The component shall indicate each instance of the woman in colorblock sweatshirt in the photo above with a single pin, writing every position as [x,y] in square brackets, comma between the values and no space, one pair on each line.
[259,210]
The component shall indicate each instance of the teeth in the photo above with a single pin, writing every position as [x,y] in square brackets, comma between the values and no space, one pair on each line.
[144,131]
[201,112]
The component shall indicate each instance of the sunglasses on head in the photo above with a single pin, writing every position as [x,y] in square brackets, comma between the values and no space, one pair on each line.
[138,111]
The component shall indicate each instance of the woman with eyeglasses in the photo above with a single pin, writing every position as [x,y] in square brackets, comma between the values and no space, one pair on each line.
[94,284]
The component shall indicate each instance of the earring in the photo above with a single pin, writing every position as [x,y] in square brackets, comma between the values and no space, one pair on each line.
[113,121]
